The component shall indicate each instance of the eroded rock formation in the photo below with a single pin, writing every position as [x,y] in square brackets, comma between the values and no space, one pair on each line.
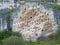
[35,21]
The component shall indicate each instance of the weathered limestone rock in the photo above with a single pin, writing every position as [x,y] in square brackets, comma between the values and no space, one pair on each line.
[35,21]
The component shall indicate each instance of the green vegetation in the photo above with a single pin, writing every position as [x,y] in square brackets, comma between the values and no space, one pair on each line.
[55,6]
[50,42]
[13,41]
[5,34]
[14,38]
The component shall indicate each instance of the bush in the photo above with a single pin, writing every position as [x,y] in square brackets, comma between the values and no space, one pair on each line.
[55,6]
[13,40]
[5,34]
[16,34]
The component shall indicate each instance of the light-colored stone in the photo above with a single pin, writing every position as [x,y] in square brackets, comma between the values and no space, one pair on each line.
[35,21]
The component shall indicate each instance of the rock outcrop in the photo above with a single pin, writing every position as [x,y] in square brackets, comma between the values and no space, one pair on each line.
[35,21]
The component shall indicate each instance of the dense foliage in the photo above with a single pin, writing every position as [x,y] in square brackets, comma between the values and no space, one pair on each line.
[13,40]
[55,6]
[5,34]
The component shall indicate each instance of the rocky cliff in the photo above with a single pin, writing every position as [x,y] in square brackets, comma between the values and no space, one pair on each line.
[36,21]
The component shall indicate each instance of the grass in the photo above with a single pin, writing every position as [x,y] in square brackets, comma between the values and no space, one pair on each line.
[50,42]
[54,41]
[55,6]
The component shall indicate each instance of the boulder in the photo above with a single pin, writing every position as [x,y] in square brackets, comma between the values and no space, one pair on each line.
[36,21]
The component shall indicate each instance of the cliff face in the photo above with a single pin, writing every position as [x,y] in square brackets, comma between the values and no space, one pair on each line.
[36,21]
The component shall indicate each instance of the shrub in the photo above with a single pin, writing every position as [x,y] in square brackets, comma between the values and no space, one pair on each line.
[13,40]
[0,42]
[5,34]
[16,34]
[55,6]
